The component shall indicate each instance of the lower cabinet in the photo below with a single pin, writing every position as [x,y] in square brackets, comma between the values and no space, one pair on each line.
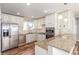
[41,37]
[40,51]
[22,39]
[30,38]
[34,37]
[56,51]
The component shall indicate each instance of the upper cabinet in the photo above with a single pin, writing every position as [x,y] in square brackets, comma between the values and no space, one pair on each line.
[63,22]
[39,24]
[66,22]
[6,18]
[50,20]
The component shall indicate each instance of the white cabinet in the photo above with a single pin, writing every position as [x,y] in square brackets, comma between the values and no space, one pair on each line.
[6,18]
[40,51]
[41,22]
[38,24]
[66,23]
[56,51]
[30,38]
[41,37]
[63,21]
[35,22]
[22,39]
[34,37]
[50,20]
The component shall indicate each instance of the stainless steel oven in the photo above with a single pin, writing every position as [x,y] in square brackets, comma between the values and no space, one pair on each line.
[50,32]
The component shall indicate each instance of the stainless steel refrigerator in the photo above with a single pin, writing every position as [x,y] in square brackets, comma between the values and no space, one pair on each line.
[9,36]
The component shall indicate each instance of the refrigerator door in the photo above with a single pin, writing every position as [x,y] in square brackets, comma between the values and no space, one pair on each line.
[5,37]
[13,35]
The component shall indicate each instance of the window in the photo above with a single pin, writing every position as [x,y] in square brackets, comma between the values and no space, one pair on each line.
[28,25]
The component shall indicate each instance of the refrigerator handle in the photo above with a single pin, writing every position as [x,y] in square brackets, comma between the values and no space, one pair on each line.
[9,36]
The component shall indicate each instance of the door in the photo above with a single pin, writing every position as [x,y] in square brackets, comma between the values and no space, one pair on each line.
[5,37]
[13,35]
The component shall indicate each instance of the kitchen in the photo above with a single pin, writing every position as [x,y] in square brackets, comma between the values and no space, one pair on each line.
[39,29]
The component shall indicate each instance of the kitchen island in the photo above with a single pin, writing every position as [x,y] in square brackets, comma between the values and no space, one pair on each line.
[60,45]
[35,36]
[41,47]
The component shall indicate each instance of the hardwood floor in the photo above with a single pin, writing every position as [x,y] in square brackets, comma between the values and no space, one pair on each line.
[28,49]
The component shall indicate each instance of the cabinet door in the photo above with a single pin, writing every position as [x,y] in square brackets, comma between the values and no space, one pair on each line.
[21,39]
[49,20]
[40,51]
[35,24]
[40,37]
[30,38]
[41,22]
[5,16]
[59,25]
[65,22]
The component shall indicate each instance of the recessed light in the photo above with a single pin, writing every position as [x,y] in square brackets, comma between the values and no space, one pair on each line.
[60,17]
[32,16]
[65,19]
[45,11]
[28,3]
[18,13]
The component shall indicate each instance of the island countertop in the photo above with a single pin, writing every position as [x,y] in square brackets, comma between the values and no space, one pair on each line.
[65,42]
[44,43]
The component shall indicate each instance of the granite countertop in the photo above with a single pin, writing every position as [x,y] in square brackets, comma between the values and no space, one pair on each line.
[44,43]
[32,33]
[65,42]
[36,33]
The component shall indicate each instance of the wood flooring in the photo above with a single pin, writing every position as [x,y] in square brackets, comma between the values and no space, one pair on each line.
[28,49]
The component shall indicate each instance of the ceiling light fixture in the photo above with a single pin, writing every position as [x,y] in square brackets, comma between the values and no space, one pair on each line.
[45,11]
[60,17]
[65,19]
[18,13]
[28,4]
[32,16]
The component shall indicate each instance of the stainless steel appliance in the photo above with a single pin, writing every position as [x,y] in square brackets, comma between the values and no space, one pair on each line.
[50,32]
[9,36]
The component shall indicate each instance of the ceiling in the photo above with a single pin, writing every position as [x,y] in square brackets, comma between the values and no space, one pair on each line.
[37,9]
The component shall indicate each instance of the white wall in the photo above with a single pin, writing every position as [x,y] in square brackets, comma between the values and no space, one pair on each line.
[6,18]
